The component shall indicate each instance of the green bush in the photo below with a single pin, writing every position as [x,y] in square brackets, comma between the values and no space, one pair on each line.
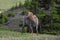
[56,24]
[11,14]
[41,14]
[3,18]
[45,22]
[24,11]
[20,4]
[13,8]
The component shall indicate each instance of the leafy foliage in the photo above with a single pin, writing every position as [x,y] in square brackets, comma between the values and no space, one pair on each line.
[41,14]
[24,11]
[3,18]
[11,14]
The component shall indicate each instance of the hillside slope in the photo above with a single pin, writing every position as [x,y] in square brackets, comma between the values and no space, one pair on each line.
[6,4]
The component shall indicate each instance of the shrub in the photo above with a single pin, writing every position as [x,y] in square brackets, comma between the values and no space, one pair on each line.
[41,14]
[45,22]
[20,4]
[14,7]
[24,11]
[11,14]
[3,18]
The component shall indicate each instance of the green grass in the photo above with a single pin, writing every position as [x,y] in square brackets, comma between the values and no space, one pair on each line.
[6,4]
[14,35]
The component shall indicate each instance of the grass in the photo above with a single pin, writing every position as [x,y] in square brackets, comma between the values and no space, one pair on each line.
[13,35]
[6,4]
